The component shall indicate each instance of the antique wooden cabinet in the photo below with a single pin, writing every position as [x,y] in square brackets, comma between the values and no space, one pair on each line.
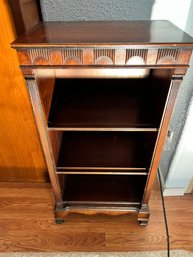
[102,95]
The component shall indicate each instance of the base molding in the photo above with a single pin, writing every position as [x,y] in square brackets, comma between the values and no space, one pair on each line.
[62,213]
[143,215]
[177,191]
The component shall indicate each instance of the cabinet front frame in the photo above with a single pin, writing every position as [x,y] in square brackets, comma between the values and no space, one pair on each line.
[32,76]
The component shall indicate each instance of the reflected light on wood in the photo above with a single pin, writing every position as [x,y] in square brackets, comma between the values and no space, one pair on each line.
[137,73]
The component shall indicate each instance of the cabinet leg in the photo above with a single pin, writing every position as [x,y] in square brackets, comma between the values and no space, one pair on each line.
[143,223]
[59,220]
[143,215]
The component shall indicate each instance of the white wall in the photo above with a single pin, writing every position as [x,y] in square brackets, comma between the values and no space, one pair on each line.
[181,169]
[174,10]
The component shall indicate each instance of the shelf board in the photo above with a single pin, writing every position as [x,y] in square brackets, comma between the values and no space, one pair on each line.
[103,189]
[117,171]
[105,151]
[132,129]
[102,171]
[103,105]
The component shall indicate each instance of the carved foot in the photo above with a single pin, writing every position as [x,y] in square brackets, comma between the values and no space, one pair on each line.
[143,223]
[59,221]
[143,215]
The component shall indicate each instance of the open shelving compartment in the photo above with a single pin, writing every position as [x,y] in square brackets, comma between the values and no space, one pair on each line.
[102,127]
[109,152]
[102,190]
[104,104]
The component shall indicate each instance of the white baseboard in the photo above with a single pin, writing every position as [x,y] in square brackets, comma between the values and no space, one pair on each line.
[174,191]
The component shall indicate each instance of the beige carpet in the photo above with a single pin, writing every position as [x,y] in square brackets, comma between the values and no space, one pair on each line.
[174,253]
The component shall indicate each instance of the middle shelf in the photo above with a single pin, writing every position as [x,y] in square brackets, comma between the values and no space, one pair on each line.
[104,152]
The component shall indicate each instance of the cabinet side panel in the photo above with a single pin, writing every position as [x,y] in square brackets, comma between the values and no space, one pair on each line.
[55,140]
[172,94]
[41,125]
[46,88]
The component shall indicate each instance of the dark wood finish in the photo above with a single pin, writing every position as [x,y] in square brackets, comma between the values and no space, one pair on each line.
[103,190]
[46,88]
[115,118]
[162,135]
[100,33]
[143,215]
[55,141]
[106,150]
[26,14]
[105,104]
[41,125]
[28,224]
[88,43]
[89,194]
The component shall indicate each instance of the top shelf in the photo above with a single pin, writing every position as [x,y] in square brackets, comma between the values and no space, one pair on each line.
[103,105]
[53,34]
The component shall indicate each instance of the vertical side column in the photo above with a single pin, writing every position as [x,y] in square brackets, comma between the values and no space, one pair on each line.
[42,130]
[144,213]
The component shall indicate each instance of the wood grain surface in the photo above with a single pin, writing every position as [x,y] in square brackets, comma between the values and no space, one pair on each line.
[21,157]
[27,224]
[99,32]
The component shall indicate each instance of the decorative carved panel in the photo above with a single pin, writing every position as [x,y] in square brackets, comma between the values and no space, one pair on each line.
[104,56]
[72,56]
[40,56]
[131,55]
[167,56]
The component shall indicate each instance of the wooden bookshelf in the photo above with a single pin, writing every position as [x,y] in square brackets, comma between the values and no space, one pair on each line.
[102,95]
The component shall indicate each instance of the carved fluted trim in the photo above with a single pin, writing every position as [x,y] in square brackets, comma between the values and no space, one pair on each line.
[165,53]
[136,52]
[72,53]
[37,54]
[100,53]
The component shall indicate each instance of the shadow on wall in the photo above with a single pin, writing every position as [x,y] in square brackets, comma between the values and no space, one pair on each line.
[182,103]
[180,154]
[76,10]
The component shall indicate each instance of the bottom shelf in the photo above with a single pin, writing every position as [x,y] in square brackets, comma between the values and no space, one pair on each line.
[102,190]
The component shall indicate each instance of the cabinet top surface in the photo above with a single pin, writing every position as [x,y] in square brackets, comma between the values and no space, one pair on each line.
[47,34]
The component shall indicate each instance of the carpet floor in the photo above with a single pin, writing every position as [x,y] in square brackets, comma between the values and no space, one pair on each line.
[173,253]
